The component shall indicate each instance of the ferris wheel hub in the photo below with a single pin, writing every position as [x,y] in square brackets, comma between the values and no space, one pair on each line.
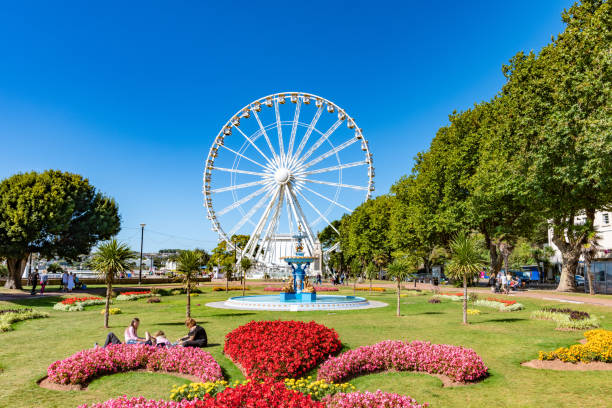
[282,175]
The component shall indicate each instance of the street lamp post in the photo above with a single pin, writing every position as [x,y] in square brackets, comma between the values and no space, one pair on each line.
[141,242]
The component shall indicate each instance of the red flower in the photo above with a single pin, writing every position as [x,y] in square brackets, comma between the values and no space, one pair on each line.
[280,349]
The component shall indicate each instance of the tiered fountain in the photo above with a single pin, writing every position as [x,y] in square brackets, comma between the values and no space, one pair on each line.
[298,294]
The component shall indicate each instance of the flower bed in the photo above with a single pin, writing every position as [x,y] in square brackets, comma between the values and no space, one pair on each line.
[317,289]
[567,319]
[134,295]
[83,366]
[504,301]
[501,306]
[76,304]
[316,390]
[598,347]
[222,288]
[434,300]
[458,363]
[10,316]
[454,298]
[473,312]
[154,300]
[371,399]
[112,310]
[373,289]
[280,349]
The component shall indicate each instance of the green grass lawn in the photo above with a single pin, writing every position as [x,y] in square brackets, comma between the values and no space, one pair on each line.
[503,340]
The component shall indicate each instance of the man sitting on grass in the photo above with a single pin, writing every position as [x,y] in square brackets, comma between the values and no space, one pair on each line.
[196,336]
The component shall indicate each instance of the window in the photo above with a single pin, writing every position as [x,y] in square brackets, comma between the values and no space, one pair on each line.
[606,218]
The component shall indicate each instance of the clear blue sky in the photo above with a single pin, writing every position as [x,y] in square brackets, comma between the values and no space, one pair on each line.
[131,94]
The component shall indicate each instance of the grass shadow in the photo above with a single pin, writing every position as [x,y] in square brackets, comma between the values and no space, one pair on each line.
[504,320]
[48,301]
[232,314]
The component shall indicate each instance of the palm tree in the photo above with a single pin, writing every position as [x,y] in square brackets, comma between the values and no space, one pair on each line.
[111,258]
[400,269]
[188,264]
[245,265]
[371,273]
[466,262]
[589,252]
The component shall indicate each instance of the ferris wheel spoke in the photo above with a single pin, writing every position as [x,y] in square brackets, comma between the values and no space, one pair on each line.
[265,134]
[313,123]
[253,173]
[243,201]
[297,218]
[244,157]
[321,140]
[279,130]
[317,211]
[334,168]
[329,183]
[297,205]
[238,186]
[259,226]
[254,145]
[296,118]
[330,153]
[251,212]
[327,199]
[271,225]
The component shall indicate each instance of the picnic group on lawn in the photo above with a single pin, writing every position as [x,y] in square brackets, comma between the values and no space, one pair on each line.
[196,337]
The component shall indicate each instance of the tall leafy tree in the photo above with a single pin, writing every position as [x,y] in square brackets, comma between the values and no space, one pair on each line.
[589,253]
[188,265]
[110,259]
[563,99]
[465,263]
[54,214]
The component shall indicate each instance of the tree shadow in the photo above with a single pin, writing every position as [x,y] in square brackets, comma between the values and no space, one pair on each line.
[504,320]
[179,323]
[36,301]
[232,314]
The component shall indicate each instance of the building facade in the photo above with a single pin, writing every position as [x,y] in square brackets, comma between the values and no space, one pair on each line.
[602,266]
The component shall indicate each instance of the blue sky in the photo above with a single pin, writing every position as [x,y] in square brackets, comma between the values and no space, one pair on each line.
[132,94]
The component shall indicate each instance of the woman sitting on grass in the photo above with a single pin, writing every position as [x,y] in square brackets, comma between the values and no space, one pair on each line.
[131,334]
[196,336]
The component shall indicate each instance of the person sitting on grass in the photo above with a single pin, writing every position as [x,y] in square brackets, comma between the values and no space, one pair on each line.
[161,339]
[131,334]
[196,336]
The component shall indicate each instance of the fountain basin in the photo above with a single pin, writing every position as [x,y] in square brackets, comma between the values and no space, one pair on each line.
[273,302]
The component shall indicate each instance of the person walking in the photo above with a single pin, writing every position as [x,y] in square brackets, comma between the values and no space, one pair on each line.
[43,282]
[504,282]
[64,281]
[70,282]
[34,282]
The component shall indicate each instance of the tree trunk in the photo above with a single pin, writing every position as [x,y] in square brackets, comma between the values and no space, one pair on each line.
[15,266]
[109,293]
[465,300]
[370,286]
[227,281]
[399,287]
[591,278]
[496,259]
[570,257]
[243,281]
[188,297]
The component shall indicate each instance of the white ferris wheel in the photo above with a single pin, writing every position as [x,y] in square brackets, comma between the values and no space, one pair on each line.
[282,162]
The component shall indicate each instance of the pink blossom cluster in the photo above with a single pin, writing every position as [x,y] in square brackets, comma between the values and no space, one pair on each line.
[367,399]
[140,402]
[87,364]
[458,363]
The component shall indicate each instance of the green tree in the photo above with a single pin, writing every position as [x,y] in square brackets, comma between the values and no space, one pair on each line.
[53,214]
[562,97]
[371,273]
[111,258]
[465,263]
[400,269]
[245,265]
[55,268]
[188,266]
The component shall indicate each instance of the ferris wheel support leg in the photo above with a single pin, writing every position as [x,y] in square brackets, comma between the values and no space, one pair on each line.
[306,226]
[271,225]
[259,227]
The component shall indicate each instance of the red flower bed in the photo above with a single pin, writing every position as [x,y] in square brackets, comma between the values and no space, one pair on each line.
[73,300]
[250,395]
[506,302]
[452,294]
[280,349]
[146,292]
